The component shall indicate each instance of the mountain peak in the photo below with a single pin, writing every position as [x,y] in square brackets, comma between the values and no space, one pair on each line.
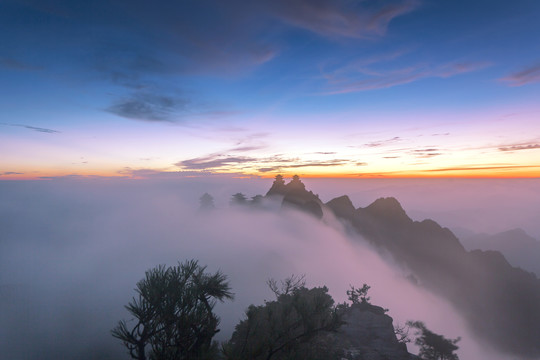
[516,235]
[388,207]
[342,206]
[294,189]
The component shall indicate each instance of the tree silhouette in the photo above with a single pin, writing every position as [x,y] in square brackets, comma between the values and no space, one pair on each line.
[173,313]
[402,333]
[206,202]
[256,200]
[291,327]
[239,199]
[359,295]
[287,286]
[434,346]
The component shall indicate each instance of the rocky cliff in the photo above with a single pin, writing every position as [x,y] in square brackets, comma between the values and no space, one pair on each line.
[368,334]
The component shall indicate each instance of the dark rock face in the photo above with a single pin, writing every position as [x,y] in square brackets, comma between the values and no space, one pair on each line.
[368,334]
[501,303]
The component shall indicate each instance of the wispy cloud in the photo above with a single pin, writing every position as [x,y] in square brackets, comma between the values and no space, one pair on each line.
[520,146]
[266,169]
[10,173]
[528,75]
[362,65]
[34,128]
[383,142]
[341,18]
[335,162]
[294,164]
[426,152]
[149,107]
[249,139]
[213,162]
[222,162]
[456,68]
[350,79]
[247,143]
[530,144]
[247,148]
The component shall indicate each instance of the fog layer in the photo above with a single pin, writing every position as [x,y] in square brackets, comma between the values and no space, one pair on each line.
[72,251]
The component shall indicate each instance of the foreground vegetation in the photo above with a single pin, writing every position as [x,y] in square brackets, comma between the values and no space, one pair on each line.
[173,319]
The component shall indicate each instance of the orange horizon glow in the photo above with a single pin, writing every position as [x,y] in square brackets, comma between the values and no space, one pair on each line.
[419,174]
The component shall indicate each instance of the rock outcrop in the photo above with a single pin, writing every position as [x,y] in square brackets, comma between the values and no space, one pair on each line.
[368,334]
[296,196]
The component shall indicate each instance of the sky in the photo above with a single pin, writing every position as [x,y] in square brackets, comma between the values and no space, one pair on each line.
[389,88]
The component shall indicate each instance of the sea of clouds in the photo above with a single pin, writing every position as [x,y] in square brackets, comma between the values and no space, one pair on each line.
[72,250]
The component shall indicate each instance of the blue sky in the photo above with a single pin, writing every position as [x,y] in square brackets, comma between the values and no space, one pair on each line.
[113,87]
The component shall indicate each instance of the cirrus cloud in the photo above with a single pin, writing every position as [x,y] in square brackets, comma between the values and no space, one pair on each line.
[528,75]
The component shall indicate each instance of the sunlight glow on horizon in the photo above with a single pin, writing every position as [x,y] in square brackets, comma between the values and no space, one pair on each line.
[297,94]
[464,173]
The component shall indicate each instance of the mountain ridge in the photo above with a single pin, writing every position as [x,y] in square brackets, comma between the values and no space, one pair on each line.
[516,245]
[501,303]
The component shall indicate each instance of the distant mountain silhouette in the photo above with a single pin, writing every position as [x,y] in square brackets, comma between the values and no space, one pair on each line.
[501,303]
[516,245]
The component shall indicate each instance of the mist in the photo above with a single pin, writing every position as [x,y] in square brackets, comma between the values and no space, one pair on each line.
[71,252]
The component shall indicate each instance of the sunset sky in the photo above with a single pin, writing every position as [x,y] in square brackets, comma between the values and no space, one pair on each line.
[392,88]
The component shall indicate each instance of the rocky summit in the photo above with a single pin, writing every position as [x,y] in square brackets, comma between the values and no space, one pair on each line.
[295,195]
[368,334]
